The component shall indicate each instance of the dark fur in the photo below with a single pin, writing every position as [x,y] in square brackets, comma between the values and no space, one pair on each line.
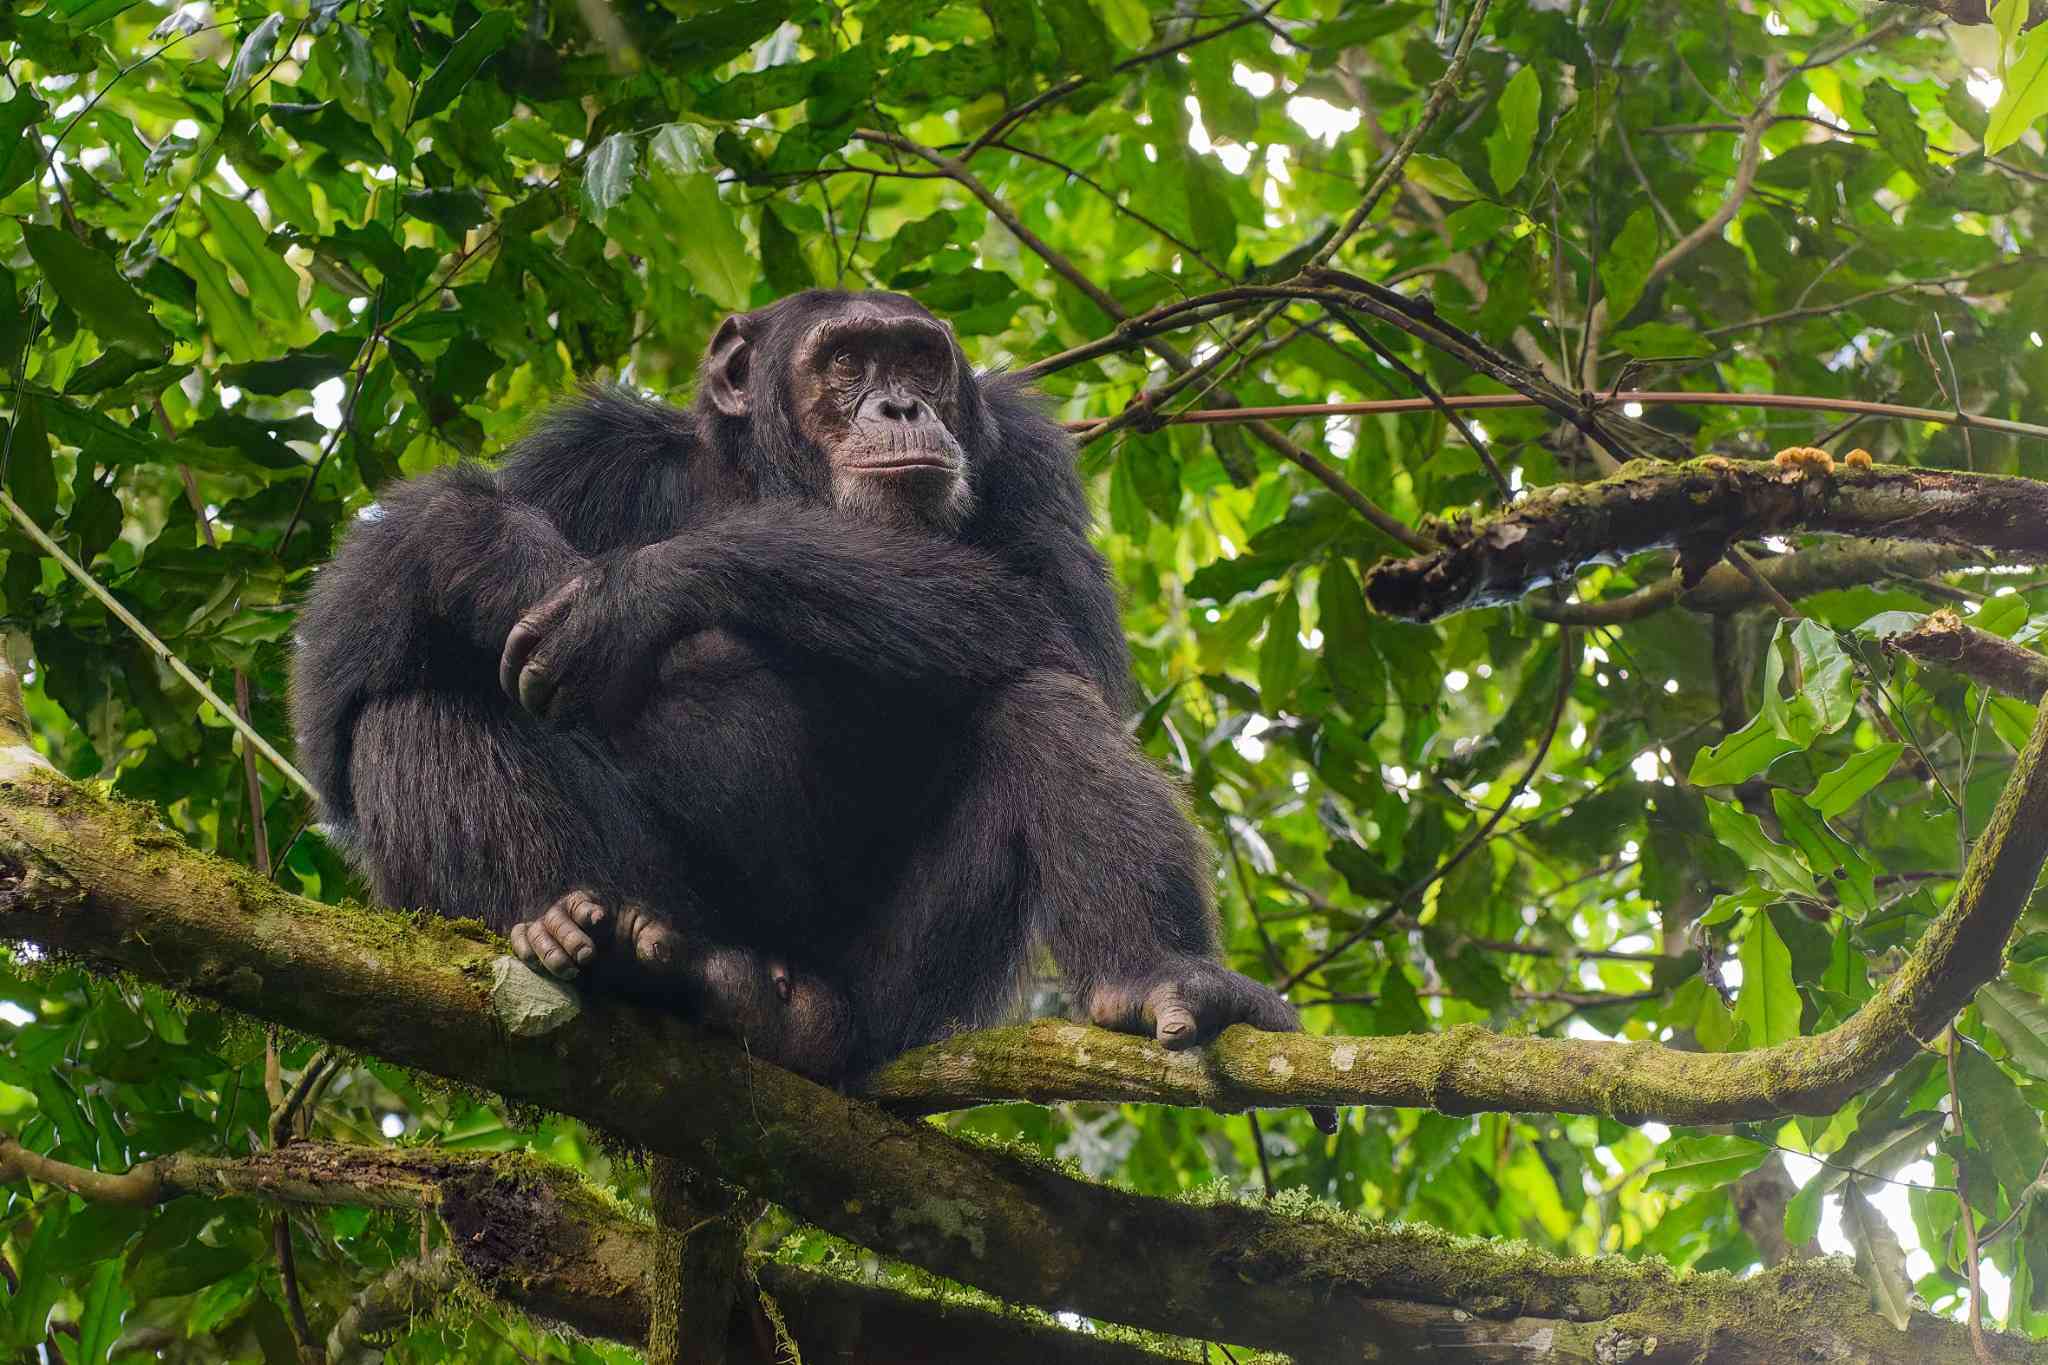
[890,757]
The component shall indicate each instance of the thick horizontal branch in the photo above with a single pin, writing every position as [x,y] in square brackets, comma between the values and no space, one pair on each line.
[541,1241]
[103,883]
[1946,642]
[1699,508]
[1725,588]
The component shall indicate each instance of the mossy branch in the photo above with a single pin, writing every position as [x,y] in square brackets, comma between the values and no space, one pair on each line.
[1698,508]
[102,882]
[538,1239]
[1946,642]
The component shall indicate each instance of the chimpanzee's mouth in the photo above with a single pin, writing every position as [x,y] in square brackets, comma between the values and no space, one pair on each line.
[934,460]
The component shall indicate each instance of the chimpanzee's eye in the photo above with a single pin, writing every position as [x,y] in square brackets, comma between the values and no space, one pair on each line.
[845,362]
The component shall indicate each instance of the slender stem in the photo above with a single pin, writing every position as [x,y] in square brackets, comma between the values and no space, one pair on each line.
[1799,402]
[250,734]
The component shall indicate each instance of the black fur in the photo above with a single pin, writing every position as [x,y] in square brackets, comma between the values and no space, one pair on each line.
[886,756]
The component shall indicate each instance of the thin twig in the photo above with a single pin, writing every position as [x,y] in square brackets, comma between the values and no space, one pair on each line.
[250,734]
[1646,397]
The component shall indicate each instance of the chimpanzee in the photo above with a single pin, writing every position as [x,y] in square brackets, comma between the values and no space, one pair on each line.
[798,710]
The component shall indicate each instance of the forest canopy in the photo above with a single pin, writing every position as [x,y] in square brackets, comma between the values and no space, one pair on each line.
[1618,624]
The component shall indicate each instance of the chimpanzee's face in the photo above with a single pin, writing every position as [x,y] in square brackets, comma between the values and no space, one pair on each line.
[871,381]
[878,392]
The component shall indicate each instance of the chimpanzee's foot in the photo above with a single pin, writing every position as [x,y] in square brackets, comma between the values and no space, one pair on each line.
[1189,1001]
[782,1014]
[564,939]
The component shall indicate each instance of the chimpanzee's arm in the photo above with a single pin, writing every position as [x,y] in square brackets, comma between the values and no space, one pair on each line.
[421,595]
[906,605]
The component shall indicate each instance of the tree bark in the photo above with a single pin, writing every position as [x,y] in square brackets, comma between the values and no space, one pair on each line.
[102,882]
[1991,660]
[1698,508]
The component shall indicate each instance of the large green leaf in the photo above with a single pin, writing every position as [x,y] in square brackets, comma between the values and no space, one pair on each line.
[1625,266]
[477,44]
[1514,134]
[90,284]
[2024,96]
[1769,1001]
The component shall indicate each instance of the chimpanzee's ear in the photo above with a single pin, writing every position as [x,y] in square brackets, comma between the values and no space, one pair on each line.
[724,379]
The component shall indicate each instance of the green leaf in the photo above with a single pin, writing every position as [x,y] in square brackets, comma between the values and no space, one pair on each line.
[1155,474]
[1836,792]
[1662,341]
[1514,135]
[1880,1260]
[88,281]
[1999,1120]
[1625,265]
[23,158]
[2025,95]
[1741,756]
[782,257]
[1128,20]
[1354,666]
[254,55]
[2020,1019]
[1082,36]
[1744,833]
[1769,1002]
[914,242]
[1282,658]
[1899,131]
[477,43]
[713,250]
[226,314]
[1832,859]
[1360,25]
[2009,17]
[1826,694]
[1215,226]
[242,243]
[1706,1163]
[1445,179]
[101,1308]
[608,174]
[30,477]
[1878,1149]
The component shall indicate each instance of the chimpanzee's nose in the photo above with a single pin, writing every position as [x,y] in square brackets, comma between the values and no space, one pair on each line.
[901,407]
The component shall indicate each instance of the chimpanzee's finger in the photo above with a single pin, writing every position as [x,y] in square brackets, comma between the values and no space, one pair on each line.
[560,926]
[537,687]
[536,947]
[655,942]
[1175,1018]
[520,642]
[585,909]
[1267,1010]
[524,640]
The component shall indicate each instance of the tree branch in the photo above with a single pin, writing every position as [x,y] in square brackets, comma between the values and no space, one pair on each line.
[102,883]
[1990,660]
[1801,574]
[1699,508]
[538,1239]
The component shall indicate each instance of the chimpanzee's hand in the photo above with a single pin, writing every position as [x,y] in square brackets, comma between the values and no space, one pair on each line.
[1191,1000]
[581,646]
[579,930]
